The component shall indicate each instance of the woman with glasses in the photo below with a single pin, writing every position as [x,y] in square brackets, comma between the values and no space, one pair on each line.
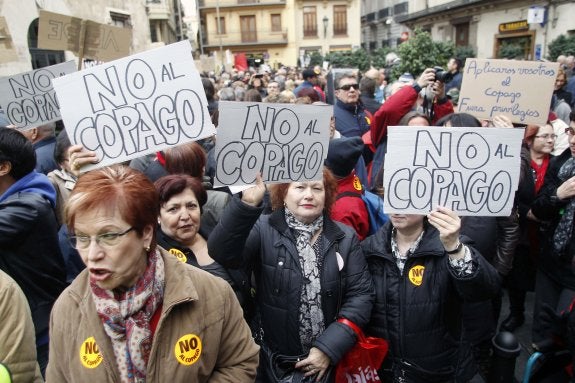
[555,208]
[136,313]
[538,144]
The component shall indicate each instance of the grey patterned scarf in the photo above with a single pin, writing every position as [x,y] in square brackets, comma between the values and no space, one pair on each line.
[310,313]
[564,228]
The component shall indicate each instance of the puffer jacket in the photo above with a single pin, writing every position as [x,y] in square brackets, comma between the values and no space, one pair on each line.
[29,250]
[201,335]
[418,311]
[267,246]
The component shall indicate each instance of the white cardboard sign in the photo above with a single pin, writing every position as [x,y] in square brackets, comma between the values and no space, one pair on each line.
[285,142]
[29,100]
[520,90]
[473,171]
[135,105]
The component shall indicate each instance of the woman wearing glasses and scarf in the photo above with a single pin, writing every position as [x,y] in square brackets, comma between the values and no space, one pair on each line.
[555,205]
[136,313]
[309,272]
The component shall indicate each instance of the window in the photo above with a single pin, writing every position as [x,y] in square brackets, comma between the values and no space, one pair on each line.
[340,19]
[121,20]
[400,8]
[248,29]
[309,22]
[222,26]
[155,34]
[276,22]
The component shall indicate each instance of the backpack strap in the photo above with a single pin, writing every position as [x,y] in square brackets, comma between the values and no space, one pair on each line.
[348,194]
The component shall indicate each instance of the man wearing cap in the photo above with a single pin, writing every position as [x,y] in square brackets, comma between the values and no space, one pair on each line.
[349,208]
[309,81]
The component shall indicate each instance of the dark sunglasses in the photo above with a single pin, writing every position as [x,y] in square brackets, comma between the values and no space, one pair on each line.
[347,87]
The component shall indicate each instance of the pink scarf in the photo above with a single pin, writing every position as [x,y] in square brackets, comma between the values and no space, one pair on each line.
[126,317]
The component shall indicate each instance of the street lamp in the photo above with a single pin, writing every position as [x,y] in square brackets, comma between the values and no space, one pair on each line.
[325,21]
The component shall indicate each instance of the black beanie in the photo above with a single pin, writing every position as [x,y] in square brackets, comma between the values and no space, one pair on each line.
[343,154]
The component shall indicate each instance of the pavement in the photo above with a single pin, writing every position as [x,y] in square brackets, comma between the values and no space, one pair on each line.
[523,335]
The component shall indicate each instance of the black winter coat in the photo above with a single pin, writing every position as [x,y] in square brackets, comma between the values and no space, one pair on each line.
[30,254]
[419,312]
[266,245]
[547,207]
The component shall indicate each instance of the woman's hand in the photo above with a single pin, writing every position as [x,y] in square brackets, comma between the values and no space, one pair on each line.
[501,121]
[254,195]
[316,363]
[567,189]
[79,157]
[448,224]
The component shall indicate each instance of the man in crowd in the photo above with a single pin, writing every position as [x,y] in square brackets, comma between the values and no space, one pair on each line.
[43,140]
[29,250]
[454,67]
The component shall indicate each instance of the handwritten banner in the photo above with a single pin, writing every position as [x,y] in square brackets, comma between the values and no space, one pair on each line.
[29,100]
[100,41]
[473,171]
[285,142]
[520,90]
[136,105]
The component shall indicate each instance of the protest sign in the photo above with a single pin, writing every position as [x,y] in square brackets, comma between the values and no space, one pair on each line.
[136,105]
[28,99]
[83,37]
[472,171]
[7,48]
[520,90]
[284,142]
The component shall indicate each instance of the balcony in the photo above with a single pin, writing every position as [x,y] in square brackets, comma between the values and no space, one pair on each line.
[208,4]
[158,11]
[239,38]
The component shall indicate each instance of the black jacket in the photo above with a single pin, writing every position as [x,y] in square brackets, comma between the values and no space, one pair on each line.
[421,317]
[547,207]
[30,254]
[267,246]
[237,278]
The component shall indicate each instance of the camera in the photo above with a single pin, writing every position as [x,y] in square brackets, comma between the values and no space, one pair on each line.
[442,75]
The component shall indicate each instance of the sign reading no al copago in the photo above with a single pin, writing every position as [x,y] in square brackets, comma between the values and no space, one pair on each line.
[520,90]
[28,99]
[284,142]
[473,171]
[136,105]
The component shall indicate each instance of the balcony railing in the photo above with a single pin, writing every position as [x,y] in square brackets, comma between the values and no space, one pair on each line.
[236,3]
[236,37]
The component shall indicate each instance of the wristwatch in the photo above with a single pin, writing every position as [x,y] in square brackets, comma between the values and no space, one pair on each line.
[456,250]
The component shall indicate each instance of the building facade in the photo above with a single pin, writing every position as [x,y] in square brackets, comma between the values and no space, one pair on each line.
[279,32]
[153,23]
[489,27]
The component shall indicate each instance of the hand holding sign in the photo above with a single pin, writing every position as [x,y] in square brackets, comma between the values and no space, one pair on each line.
[255,194]
[79,156]
[448,224]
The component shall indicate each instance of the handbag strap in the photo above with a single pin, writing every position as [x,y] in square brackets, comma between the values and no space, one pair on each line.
[353,326]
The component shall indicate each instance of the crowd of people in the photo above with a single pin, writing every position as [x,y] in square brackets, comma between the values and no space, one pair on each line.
[143,271]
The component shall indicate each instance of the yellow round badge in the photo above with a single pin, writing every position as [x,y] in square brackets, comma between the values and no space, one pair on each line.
[90,353]
[188,349]
[416,275]
[180,255]
[357,183]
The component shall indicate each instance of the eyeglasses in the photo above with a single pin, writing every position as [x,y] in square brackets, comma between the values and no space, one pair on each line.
[547,136]
[347,87]
[82,242]
[570,131]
